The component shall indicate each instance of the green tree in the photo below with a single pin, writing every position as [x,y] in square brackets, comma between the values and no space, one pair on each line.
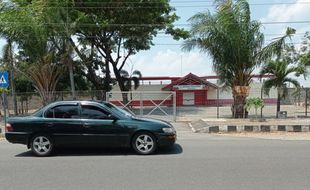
[22,23]
[281,71]
[131,81]
[235,43]
[8,62]
[119,30]
[282,62]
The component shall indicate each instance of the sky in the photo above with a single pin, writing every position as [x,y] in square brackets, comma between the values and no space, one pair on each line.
[167,59]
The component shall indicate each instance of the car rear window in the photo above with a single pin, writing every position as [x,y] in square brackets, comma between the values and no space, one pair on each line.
[63,111]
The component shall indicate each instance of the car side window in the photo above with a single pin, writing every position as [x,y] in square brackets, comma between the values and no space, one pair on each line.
[93,112]
[63,111]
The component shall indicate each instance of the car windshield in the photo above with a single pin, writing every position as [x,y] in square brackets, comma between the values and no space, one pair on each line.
[119,110]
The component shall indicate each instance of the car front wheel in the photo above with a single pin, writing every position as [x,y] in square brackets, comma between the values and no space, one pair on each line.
[144,143]
[42,145]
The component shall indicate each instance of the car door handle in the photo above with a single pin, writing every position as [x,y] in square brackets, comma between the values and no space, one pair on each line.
[87,125]
[49,124]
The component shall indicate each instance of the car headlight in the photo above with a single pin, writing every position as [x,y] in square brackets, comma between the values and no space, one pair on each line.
[168,130]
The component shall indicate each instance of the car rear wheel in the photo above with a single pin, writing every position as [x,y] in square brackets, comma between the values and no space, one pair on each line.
[144,143]
[42,145]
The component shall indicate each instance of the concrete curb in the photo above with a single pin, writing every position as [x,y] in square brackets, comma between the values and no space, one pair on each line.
[192,128]
[248,128]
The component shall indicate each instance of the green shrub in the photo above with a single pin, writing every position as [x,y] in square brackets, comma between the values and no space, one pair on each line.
[254,103]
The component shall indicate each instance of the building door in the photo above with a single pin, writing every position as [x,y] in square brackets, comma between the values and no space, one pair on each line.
[188,98]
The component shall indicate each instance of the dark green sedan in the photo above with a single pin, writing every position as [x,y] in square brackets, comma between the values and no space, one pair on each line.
[88,124]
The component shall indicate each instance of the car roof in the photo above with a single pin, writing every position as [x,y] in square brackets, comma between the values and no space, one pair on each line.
[75,102]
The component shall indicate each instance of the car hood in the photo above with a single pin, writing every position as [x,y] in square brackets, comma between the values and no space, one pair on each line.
[156,121]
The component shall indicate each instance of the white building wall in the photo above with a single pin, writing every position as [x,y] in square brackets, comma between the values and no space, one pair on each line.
[154,92]
[148,92]
[254,92]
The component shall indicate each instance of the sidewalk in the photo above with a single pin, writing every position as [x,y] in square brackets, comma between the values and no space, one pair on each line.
[247,125]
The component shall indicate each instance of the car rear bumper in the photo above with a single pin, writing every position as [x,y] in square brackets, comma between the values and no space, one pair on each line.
[166,140]
[17,137]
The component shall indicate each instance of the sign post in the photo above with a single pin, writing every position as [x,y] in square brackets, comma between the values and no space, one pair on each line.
[4,84]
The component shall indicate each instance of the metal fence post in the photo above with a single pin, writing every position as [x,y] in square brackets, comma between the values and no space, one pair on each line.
[4,106]
[174,106]
[218,103]
[141,104]
[306,105]
[108,97]
[261,97]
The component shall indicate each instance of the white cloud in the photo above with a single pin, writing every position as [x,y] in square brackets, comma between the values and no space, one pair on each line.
[287,12]
[172,63]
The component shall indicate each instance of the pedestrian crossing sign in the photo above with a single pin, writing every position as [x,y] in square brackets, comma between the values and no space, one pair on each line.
[4,79]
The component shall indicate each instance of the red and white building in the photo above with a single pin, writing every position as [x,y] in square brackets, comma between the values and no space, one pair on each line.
[190,90]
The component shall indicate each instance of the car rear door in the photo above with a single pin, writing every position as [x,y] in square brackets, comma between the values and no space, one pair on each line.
[102,128]
[64,123]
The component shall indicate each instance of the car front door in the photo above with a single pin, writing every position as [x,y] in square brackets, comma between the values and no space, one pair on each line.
[102,128]
[64,123]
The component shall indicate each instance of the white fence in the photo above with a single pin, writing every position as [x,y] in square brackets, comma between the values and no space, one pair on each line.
[160,105]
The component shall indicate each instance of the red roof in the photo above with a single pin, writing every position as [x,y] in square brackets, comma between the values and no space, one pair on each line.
[189,79]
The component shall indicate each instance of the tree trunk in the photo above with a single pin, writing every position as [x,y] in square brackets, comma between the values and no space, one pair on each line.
[72,84]
[22,105]
[26,110]
[71,75]
[278,103]
[107,80]
[238,110]
[121,84]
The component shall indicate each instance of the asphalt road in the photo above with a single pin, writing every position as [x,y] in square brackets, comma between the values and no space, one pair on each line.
[198,161]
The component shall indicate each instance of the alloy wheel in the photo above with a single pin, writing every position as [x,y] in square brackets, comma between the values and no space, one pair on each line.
[144,143]
[41,145]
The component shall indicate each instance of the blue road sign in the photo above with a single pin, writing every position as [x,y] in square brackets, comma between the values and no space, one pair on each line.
[4,79]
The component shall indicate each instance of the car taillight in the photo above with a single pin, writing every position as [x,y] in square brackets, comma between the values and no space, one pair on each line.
[8,127]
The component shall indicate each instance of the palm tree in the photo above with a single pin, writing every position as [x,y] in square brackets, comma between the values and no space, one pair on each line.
[129,80]
[235,44]
[281,70]
[233,41]
[45,76]
[133,78]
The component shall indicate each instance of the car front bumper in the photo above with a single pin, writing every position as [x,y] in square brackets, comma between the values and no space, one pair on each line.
[165,140]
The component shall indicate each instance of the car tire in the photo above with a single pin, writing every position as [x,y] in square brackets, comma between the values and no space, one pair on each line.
[144,143]
[42,145]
